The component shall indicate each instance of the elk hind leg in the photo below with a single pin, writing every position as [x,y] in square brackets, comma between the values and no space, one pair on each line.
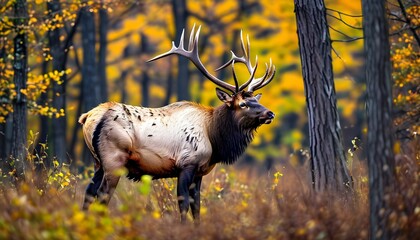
[92,188]
[107,188]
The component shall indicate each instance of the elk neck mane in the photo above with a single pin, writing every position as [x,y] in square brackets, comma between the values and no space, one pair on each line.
[228,139]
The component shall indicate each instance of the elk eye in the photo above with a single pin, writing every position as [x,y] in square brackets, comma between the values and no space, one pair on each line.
[242,105]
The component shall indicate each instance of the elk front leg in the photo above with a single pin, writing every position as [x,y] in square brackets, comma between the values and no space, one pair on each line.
[195,195]
[185,180]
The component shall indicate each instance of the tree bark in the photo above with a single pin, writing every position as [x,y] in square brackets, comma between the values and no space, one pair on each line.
[169,87]
[3,126]
[59,125]
[91,89]
[145,83]
[20,66]
[103,33]
[43,126]
[328,161]
[144,79]
[381,161]
[180,14]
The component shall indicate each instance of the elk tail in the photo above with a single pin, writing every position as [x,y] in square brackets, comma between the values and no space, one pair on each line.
[83,118]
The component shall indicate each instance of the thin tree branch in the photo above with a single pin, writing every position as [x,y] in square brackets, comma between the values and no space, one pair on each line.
[74,74]
[70,35]
[397,18]
[7,24]
[345,23]
[349,39]
[336,53]
[413,31]
[345,14]
[114,22]
[402,30]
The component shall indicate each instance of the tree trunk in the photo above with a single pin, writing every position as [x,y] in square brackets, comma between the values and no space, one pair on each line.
[328,161]
[59,125]
[103,31]
[3,152]
[43,127]
[169,87]
[145,82]
[20,78]
[144,79]
[3,126]
[91,88]
[180,14]
[379,109]
[74,136]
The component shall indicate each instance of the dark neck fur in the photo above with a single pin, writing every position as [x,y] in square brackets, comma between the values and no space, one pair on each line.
[227,138]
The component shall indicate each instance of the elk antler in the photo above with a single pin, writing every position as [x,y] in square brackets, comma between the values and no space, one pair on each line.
[258,83]
[192,54]
[252,83]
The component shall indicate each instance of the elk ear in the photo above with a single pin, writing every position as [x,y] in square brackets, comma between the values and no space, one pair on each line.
[224,96]
[258,96]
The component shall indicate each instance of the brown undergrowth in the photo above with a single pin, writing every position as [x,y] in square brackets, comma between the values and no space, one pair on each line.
[236,204]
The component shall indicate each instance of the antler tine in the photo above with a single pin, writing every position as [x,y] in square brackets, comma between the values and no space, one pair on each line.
[264,80]
[192,55]
[191,41]
[244,59]
[181,40]
[234,77]
[244,50]
[251,78]
[269,78]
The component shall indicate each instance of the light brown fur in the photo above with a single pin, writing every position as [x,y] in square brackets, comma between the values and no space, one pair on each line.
[183,140]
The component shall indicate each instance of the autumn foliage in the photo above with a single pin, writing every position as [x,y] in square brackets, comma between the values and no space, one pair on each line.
[267,194]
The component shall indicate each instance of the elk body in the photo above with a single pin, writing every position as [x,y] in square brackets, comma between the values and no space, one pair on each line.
[183,139]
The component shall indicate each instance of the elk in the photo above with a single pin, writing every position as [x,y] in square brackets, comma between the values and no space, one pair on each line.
[183,140]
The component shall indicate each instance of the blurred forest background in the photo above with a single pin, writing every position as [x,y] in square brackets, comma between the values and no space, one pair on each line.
[82,53]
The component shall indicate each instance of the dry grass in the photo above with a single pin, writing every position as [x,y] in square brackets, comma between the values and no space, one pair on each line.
[236,204]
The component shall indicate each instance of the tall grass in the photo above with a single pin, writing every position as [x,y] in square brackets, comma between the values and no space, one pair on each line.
[236,204]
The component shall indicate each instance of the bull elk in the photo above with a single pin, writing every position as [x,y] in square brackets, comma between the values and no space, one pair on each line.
[184,139]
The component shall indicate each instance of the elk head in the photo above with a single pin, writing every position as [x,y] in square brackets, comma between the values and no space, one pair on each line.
[245,106]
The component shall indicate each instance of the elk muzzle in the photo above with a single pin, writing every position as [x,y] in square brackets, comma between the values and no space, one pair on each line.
[267,117]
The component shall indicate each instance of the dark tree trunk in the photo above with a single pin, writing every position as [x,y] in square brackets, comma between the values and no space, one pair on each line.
[145,79]
[59,125]
[145,82]
[103,31]
[328,161]
[20,77]
[123,83]
[180,14]
[91,88]
[378,108]
[5,141]
[169,88]
[3,152]
[3,127]
[43,127]
[74,136]
[90,83]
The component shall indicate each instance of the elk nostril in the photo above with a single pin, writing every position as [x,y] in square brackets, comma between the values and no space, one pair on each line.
[270,114]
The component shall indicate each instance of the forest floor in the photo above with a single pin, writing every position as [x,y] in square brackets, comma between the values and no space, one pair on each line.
[236,204]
